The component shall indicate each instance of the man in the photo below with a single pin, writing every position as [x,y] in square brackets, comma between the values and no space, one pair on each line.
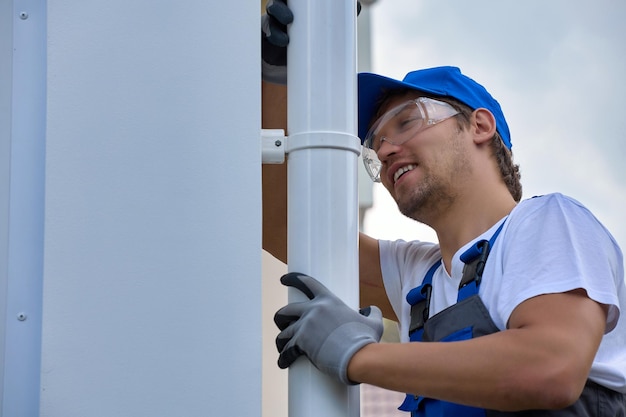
[516,309]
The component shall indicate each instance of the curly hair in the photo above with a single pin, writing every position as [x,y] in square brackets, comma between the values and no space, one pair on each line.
[509,171]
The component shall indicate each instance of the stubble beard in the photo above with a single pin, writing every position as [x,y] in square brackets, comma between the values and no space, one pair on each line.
[437,191]
[426,200]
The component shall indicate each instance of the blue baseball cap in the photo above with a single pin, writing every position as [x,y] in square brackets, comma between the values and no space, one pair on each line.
[438,82]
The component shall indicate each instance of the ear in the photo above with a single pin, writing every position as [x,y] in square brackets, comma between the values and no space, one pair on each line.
[483,125]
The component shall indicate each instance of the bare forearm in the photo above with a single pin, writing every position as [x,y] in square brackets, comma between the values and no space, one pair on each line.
[476,372]
[541,363]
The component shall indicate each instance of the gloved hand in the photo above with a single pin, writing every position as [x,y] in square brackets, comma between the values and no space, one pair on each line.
[274,40]
[324,329]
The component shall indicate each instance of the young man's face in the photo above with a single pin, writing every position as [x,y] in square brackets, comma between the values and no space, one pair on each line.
[423,172]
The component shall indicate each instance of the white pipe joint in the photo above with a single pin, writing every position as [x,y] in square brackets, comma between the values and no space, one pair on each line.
[274,143]
[273,146]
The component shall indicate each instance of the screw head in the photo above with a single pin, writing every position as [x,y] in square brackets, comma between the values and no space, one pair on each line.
[23,15]
[21,316]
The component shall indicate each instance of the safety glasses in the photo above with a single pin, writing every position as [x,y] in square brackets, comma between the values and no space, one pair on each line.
[401,124]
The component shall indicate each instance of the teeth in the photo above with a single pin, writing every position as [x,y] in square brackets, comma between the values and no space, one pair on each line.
[402,170]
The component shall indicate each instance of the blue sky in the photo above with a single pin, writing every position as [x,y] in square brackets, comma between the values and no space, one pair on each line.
[558,70]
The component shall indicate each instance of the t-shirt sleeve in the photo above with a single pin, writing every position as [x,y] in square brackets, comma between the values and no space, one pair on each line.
[558,246]
[403,266]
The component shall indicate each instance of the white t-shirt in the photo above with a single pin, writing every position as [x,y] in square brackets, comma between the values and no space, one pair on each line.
[549,244]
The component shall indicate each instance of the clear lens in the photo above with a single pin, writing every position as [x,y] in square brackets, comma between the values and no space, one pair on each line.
[372,163]
[401,124]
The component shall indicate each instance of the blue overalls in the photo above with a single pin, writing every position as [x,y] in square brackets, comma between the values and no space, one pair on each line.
[466,319]
[469,318]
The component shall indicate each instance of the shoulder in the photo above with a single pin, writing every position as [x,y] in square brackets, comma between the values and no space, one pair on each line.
[408,252]
[557,224]
[553,201]
[403,264]
[556,213]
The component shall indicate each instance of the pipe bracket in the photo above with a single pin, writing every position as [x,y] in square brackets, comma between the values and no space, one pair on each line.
[273,146]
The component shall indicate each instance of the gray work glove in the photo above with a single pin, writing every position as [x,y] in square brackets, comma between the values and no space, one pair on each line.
[324,328]
[274,41]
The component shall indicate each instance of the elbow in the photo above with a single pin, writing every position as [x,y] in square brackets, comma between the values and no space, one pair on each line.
[555,392]
[545,390]
[564,385]
[559,397]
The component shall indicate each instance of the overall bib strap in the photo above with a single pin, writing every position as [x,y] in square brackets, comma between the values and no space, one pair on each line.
[419,299]
[475,259]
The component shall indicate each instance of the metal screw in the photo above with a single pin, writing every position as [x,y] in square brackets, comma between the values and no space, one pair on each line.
[21,316]
[23,15]
[278,143]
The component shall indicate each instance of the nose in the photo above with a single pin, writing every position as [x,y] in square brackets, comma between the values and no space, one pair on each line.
[386,148]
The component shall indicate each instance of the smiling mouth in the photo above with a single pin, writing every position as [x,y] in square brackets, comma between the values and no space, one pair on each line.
[402,171]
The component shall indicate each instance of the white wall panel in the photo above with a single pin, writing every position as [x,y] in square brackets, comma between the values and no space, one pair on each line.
[152,272]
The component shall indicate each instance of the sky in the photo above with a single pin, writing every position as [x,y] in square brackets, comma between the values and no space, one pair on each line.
[557,68]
